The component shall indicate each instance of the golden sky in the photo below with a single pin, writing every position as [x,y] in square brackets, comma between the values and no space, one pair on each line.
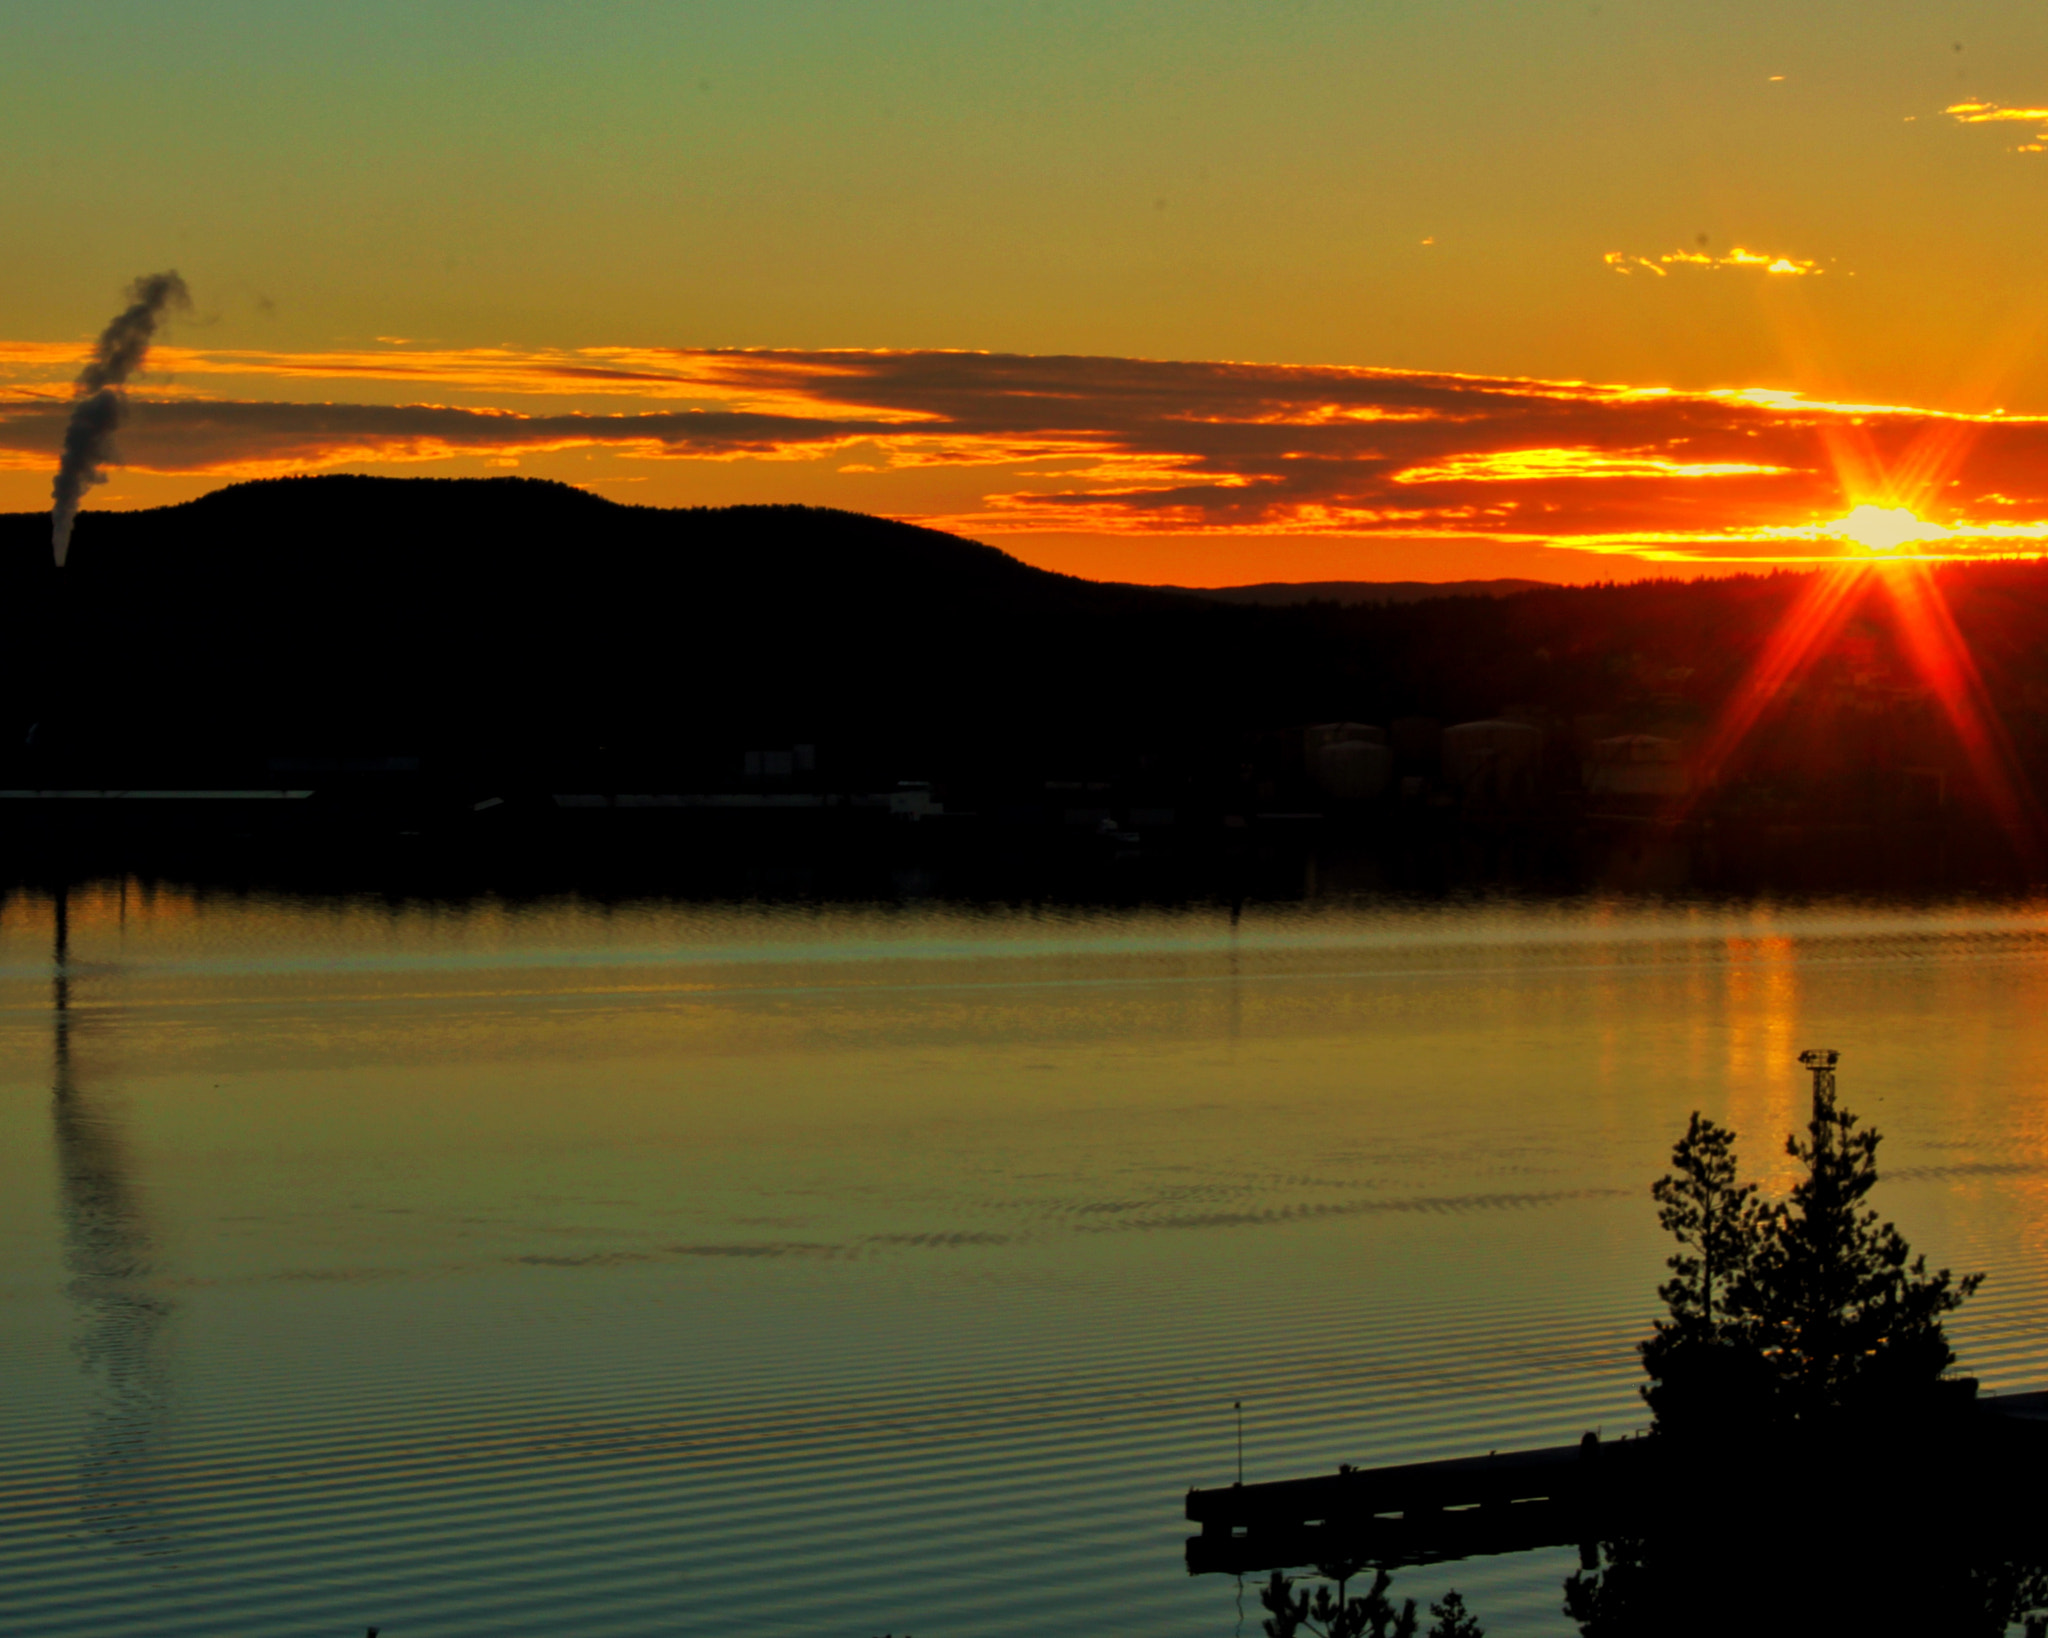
[1206,291]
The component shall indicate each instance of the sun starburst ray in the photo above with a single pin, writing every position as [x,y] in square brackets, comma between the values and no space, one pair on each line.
[1941,658]
[1798,640]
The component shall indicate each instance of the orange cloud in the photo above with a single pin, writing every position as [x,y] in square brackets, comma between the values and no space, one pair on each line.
[657,374]
[1523,465]
[1012,444]
[1623,262]
[235,439]
[1980,113]
[1991,113]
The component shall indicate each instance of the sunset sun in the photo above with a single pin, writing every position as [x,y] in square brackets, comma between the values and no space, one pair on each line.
[1885,528]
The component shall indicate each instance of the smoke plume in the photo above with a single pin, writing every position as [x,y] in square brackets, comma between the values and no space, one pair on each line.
[89,439]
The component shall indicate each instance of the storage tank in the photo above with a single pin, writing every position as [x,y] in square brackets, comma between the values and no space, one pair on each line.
[1314,738]
[1351,770]
[1637,765]
[1493,759]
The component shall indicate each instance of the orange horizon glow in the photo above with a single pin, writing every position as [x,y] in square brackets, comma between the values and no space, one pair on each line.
[1096,465]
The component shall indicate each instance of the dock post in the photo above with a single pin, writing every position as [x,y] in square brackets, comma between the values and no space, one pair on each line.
[1589,1457]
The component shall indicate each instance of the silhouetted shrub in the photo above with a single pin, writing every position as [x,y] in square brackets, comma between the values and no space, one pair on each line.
[1337,1615]
[1797,1310]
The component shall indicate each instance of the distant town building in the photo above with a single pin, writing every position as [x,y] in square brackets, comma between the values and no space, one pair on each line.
[1493,760]
[1636,765]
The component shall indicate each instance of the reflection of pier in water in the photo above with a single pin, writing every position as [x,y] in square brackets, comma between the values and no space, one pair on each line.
[121,1320]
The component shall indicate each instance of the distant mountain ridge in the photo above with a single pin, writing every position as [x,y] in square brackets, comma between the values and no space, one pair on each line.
[512,633]
[519,623]
[1353,593]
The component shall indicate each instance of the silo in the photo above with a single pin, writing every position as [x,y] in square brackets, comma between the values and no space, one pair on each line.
[1351,770]
[1493,760]
[1314,738]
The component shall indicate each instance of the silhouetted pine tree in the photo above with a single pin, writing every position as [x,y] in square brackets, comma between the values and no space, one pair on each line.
[1453,1620]
[1703,1362]
[1707,1208]
[1371,1616]
[1787,1325]
[1833,1299]
[1796,1309]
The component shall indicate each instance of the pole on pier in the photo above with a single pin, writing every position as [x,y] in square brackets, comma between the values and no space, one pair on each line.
[1822,1064]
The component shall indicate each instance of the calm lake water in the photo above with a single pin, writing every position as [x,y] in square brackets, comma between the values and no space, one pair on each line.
[850,1269]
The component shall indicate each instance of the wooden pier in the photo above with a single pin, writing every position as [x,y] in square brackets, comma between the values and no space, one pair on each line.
[1503,1502]
[1506,1502]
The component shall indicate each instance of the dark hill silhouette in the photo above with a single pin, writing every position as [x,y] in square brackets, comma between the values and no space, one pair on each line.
[524,620]
[517,629]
